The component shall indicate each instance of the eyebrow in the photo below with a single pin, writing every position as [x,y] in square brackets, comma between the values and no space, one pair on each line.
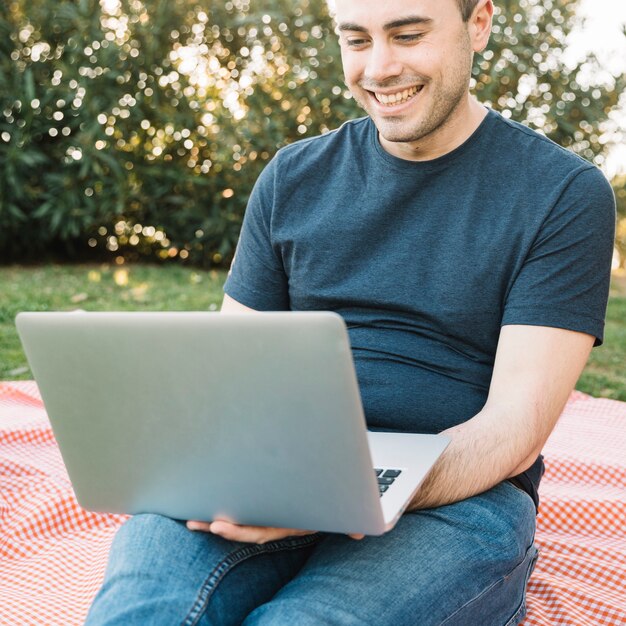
[411,20]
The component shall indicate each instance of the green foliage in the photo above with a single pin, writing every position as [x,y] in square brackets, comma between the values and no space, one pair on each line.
[619,187]
[524,75]
[138,127]
[141,127]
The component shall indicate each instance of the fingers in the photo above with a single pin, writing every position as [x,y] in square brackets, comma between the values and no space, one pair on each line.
[202,526]
[246,534]
[252,534]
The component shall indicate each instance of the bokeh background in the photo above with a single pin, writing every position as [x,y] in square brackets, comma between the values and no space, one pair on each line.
[135,129]
[132,131]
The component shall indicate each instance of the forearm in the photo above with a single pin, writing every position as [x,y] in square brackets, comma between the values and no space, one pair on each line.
[536,368]
[482,453]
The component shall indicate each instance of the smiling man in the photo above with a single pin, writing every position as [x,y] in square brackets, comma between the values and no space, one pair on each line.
[469,257]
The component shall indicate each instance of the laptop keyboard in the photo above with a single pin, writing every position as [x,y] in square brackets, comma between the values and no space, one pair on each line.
[385,478]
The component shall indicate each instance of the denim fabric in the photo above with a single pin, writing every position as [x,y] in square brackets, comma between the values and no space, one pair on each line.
[465,563]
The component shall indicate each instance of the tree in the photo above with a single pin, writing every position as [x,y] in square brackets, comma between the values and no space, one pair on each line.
[523,74]
[138,127]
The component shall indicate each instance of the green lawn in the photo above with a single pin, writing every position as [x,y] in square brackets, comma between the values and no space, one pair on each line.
[154,288]
[96,288]
[605,374]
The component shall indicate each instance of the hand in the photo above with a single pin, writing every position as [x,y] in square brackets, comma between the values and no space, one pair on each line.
[251,534]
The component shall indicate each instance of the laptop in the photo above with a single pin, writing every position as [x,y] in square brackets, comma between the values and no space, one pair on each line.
[251,418]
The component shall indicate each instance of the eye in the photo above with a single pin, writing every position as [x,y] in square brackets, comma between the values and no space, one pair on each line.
[409,37]
[355,42]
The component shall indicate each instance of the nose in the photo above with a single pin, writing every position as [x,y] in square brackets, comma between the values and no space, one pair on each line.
[382,63]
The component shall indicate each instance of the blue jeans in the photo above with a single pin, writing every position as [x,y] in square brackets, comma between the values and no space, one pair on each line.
[462,564]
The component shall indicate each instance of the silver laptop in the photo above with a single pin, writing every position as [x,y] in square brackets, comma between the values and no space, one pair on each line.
[253,418]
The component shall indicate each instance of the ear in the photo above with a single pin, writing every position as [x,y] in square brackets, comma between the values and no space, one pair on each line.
[479,24]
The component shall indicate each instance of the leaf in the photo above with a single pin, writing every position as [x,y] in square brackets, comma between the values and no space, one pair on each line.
[42,210]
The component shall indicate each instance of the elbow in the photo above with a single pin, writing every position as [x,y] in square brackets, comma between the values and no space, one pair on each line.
[526,464]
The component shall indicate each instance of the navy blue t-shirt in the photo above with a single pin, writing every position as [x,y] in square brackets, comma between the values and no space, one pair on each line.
[426,260]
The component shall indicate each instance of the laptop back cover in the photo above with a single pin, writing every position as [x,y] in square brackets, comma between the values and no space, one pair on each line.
[253,418]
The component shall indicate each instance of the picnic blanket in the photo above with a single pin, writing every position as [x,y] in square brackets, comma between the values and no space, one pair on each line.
[53,553]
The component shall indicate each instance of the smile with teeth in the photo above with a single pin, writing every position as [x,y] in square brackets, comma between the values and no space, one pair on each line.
[391,99]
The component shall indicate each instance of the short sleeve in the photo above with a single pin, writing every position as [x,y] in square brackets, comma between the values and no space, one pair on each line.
[257,278]
[565,279]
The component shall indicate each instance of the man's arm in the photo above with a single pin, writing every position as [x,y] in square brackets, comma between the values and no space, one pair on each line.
[535,370]
[232,306]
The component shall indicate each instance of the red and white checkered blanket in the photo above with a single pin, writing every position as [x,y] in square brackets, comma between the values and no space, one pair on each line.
[53,553]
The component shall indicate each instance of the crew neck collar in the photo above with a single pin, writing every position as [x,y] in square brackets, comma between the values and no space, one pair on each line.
[437,162]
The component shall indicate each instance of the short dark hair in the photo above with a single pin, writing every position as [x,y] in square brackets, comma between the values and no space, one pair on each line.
[466,7]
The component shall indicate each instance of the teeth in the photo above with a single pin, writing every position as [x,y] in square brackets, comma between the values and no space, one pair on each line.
[397,98]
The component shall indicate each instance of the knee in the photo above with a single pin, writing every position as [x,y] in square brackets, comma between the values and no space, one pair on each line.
[145,526]
[148,521]
[146,536]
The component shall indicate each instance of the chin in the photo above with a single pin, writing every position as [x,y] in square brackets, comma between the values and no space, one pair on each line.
[398,134]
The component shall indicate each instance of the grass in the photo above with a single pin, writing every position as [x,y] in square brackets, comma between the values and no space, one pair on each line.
[605,373]
[96,288]
[175,288]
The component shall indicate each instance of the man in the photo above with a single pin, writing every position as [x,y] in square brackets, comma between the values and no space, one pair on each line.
[470,258]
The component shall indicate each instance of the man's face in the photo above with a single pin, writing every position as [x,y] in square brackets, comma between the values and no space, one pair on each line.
[407,63]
